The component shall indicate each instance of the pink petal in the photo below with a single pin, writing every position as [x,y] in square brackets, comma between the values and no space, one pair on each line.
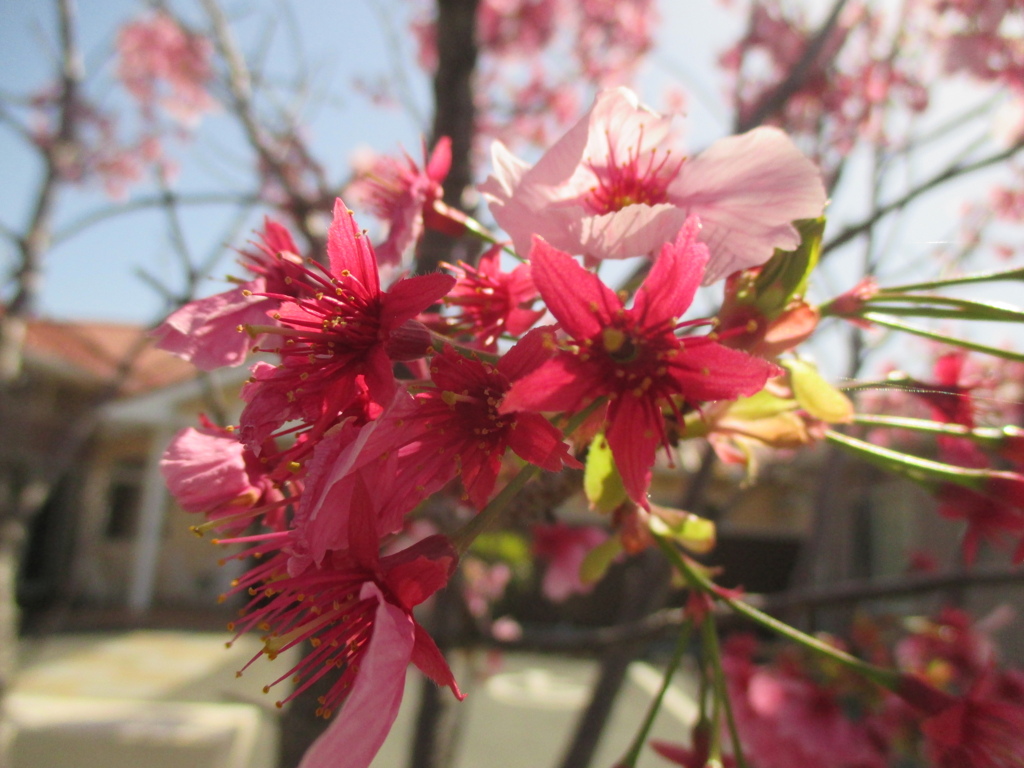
[536,440]
[635,230]
[747,190]
[408,297]
[668,290]
[204,469]
[581,302]
[634,434]
[528,353]
[440,159]
[431,662]
[349,249]
[205,332]
[359,730]
[563,383]
[709,371]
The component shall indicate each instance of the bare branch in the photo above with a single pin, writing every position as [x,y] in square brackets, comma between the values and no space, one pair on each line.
[952,172]
[782,93]
[99,215]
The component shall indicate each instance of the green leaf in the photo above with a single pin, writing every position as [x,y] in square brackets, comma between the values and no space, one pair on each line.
[762,405]
[601,480]
[503,546]
[694,532]
[597,560]
[815,395]
[786,274]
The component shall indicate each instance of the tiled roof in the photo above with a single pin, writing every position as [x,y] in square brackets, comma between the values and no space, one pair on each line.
[95,352]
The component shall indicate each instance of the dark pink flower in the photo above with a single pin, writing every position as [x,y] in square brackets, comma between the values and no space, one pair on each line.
[401,193]
[977,730]
[339,331]
[492,302]
[786,719]
[355,609]
[632,356]
[455,429]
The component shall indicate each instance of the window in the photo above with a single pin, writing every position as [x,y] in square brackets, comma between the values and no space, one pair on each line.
[123,497]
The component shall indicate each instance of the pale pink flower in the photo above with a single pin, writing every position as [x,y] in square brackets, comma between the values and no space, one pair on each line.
[614,187]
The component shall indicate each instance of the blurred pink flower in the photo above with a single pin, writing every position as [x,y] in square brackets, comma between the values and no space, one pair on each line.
[402,194]
[564,547]
[160,62]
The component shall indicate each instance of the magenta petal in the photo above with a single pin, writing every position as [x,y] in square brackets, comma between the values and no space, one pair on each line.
[528,353]
[634,433]
[350,250]
[440,160]
[581,302]
[709,371]
[431,662]
[668,290]
[563,383]
[408,297]
[359,730]
[536,440]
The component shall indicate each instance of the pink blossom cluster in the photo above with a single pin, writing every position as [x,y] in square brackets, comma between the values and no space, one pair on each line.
[535,54]
[954,709]
[965,393]
[162,63]
[367,400]
[843,93]
[86,145]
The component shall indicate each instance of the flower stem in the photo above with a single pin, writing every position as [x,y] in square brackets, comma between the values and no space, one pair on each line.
[714,652]
[896,325]
[698,580]
[984,277]
[683,641]
[923,471]
[990,437]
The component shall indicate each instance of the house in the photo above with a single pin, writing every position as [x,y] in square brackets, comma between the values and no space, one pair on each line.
[86,425]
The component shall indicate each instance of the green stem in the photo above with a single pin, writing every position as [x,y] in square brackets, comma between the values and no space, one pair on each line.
[491,514]
[879,675]
[923,471]
[479,231]
[629,761]
[982,277]
[714,651]
[439,342]
[990,437]
[896,325]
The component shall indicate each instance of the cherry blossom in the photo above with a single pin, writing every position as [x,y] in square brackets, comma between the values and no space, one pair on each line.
[616,186]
